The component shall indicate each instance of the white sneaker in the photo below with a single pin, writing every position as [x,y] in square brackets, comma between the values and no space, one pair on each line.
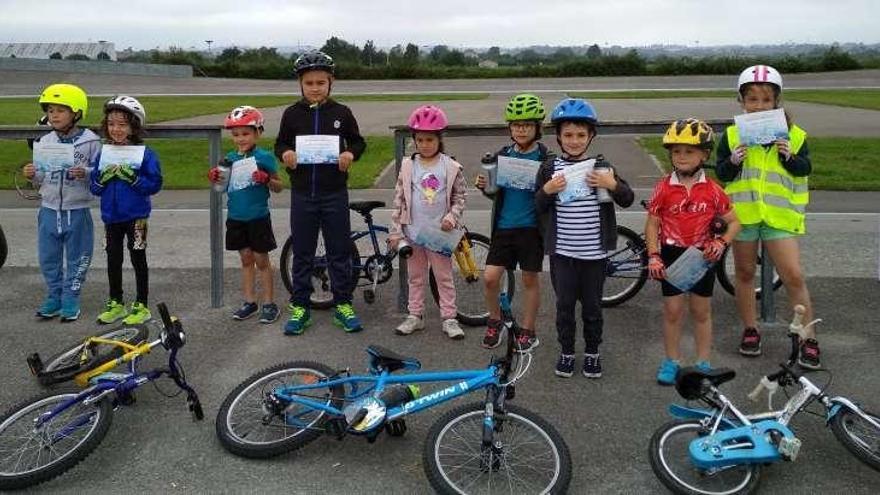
[451,328]
[410,325]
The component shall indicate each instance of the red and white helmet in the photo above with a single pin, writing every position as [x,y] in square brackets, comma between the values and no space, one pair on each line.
[759,74]
[428,118]
[244,116]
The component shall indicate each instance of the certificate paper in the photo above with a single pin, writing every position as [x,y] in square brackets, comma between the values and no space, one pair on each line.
[49,157]
[576,181]
[317,149]
[117,156]
[242,174]
[688,269]
[517,173]
[761,127]
[437,240]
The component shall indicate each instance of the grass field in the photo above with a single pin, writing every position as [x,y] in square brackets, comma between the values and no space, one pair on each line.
[846,164]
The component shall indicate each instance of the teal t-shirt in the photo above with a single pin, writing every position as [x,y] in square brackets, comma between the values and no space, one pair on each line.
[251,203]
[518,209]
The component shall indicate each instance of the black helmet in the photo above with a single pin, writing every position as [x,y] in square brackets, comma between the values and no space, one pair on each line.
[313,61]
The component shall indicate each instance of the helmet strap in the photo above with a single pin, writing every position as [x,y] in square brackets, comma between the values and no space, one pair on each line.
[688,174]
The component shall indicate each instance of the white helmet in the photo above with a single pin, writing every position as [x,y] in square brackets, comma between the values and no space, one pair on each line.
[759,74]
[128,104]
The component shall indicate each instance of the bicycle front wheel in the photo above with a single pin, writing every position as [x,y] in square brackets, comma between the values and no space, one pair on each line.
[322,293]
[253,423]
[29,455]
[671,463]
[859,436]
[626,269]
[86,356]
[528,454]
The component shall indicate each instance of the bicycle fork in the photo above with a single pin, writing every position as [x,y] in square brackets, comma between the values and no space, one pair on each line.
[491,447]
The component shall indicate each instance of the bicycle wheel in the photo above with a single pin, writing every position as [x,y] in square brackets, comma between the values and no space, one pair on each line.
[626,270]
[671,463]
[322,295]
[249,425]
[726,274]
[83,357]
[859,436]
[533,456]
[469,298]
[4,249]
[29,455]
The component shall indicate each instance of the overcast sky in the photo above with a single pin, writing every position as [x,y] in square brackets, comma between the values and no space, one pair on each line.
[472,23]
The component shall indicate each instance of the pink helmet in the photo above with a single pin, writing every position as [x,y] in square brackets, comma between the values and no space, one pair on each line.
[428,118]
[244,116]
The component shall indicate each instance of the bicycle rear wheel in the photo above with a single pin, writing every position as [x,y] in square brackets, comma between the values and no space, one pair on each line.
[29,455]
[469,299]
[859,436]
[4,249]
[84,356]
[727,272]
[626,269]
[322,295]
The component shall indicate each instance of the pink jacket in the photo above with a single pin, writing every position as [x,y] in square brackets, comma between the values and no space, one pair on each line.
[455,195]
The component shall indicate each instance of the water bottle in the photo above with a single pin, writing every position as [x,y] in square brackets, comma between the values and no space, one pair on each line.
[398,394]
[490,165]
[225,167]
[602,167]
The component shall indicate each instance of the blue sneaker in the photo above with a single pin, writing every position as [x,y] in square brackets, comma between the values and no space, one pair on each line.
[246,310]
[50,308]
[344,317]
[69,310]
[667,371]
[703,366]
[300,318]
[565,365]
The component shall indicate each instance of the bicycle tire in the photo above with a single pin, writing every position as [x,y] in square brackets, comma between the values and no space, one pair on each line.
[471,306]
[541,430]
[27,435]
[236,442]
[842,425]
[4,248]
[64,365]
[323,297]
[726,277]
[661,460]
[629,265]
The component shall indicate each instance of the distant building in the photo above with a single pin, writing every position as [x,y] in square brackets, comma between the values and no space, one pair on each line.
[93,51]
[488,64]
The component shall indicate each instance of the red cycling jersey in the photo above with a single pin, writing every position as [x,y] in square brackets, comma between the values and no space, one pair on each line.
[685,215]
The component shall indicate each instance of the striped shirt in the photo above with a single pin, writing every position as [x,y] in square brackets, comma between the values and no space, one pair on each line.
[578,225]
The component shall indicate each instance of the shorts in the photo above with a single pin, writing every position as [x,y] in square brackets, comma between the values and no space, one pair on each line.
[761,231]
[255,235]
[522,246]
[703,287]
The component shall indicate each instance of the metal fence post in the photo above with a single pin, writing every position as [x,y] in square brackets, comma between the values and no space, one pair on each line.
[403,294]
[768,303]
[216,216]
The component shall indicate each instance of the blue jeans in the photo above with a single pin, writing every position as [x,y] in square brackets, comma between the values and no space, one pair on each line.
[65,235]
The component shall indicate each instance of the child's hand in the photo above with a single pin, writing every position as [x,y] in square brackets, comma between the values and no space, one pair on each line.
[480,182]
[260,176]
[29,171]
[345,159]
[446,225]
[784,148]
[713,249]
[605,180]
[214,174]
[76,173]
[393,241]
[107,175]
[126,173]
[289,159]
[656,268]
[738,154]
[555,185]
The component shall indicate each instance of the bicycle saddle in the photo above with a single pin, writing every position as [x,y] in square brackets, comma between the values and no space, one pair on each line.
[690,381]
[365,207]
[382,358]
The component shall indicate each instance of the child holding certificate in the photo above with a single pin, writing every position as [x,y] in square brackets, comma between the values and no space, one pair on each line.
[247,174]
[125,175]
[683,208]
[429,200]
[61,167]
[579,230]
[516,238]
[767,183]
[318,140]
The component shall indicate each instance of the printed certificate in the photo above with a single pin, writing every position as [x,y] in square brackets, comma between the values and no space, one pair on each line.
[576,181]
[437,240]
[51,157]
[688,269]
[317,148]
[517,173]
[116,156]
[242,174]
[761,127]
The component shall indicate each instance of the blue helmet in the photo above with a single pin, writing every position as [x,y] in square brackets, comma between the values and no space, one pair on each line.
[574,110]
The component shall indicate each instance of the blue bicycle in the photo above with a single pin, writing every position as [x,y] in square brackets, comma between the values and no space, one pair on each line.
[483,447]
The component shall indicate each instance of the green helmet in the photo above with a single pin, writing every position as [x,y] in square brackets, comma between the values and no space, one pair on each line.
[524,106]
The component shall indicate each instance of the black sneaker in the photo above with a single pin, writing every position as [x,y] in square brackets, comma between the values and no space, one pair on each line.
[565,365]
[750,345]
[592,366]
[246,310]
[494,333]
[809,355]
[526,341]
[269,313]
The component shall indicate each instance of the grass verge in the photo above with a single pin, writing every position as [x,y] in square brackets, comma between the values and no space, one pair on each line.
[856,98]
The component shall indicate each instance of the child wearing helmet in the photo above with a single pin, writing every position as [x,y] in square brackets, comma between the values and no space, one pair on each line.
[516,238]
[252,174]
[768,185]
[125,190]
[65,234]
[578,234]
[319,194]
[683,207]
[430,192]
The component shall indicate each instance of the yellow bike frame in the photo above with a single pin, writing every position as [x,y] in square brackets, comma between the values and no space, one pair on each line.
[464,257]
[133,351]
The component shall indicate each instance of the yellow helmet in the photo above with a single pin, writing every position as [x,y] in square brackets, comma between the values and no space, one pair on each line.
[689,131]
[67,95]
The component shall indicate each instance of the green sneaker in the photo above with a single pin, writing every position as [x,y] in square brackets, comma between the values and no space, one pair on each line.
[113,312]
[300,318]
[344,317]
[139,314]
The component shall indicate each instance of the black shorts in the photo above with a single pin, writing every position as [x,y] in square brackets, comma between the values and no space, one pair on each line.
[703,287]
[512,246]
[254,234]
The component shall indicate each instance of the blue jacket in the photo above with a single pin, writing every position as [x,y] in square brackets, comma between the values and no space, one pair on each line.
[121,201]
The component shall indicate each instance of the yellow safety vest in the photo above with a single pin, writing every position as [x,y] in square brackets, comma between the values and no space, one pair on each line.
[764,191]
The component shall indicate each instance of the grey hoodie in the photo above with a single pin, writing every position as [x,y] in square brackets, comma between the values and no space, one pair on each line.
[60,193]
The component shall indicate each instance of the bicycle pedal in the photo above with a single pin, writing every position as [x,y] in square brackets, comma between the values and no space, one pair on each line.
[788,448]
[35,364]
[337,427]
